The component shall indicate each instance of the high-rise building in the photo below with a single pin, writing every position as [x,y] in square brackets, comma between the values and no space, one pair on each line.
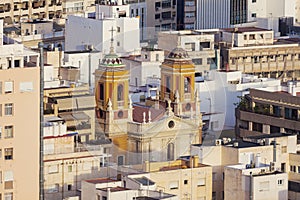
[15,11]
[19,122]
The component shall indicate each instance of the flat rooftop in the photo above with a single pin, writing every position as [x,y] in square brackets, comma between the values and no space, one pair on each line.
[101,180]
[244,29]
[273,135]
[241,144]
[113,189]
[268,173]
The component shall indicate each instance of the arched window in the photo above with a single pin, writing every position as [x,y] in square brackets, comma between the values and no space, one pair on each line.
[120,92]
[170,151]
[101,91]
[187,84]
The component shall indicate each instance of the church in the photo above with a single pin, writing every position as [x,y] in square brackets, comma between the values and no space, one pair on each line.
[159,129]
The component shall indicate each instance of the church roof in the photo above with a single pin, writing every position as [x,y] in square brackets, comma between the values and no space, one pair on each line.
[178,53]
[156,114]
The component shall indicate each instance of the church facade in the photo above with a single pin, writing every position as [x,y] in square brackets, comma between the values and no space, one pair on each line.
[159,129]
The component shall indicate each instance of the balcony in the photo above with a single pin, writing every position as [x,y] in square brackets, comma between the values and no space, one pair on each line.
[267,118]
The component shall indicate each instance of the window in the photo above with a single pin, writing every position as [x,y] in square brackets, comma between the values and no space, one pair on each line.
[173,185]
[197,61]
[283,149]
[0,132]
[8,196]
[190,46]
[53,169]
[17,63]
[298,169]
[209,61]
[253,1]
[118,43]
[9,85]
[101,91]
[120,160]
[204,45]
[168,84]
[8,153]
[251,37]
[245,37]
[253,15]
[70,168]
[8,131]
[118,29]
[26,87]
[214,176]
[185,182]
[8,109]
[0,87]
[54,188]
[187,84]
[157,16]
[69,187]
[157,57]
[120,92]
[170,153]
[0,158]
[104,198]
[8,179]
[280,182]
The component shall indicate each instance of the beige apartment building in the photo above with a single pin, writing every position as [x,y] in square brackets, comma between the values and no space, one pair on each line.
[13,11]
[19,122]
[254,51]
[66,163]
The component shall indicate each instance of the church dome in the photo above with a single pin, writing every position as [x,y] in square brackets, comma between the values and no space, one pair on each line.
[178,53]
[111,59]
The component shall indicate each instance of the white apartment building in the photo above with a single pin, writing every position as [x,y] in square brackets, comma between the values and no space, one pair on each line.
[19,122]
[247,152]
[144,66]
[220,91]
[256,183]
[138,8]
[85,34]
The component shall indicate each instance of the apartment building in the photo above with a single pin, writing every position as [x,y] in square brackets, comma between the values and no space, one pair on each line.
[186,14]
[259,182]
[230,13]
[96,33]
[75,105]
[294,176]
[19,122]
[254,51]
[138,8]
[66,163]
[144,67]
[199,45]
[246,152]
[16,11]
[263,112]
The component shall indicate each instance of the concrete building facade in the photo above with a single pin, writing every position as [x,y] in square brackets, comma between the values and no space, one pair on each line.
[19,97]
[253,51]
